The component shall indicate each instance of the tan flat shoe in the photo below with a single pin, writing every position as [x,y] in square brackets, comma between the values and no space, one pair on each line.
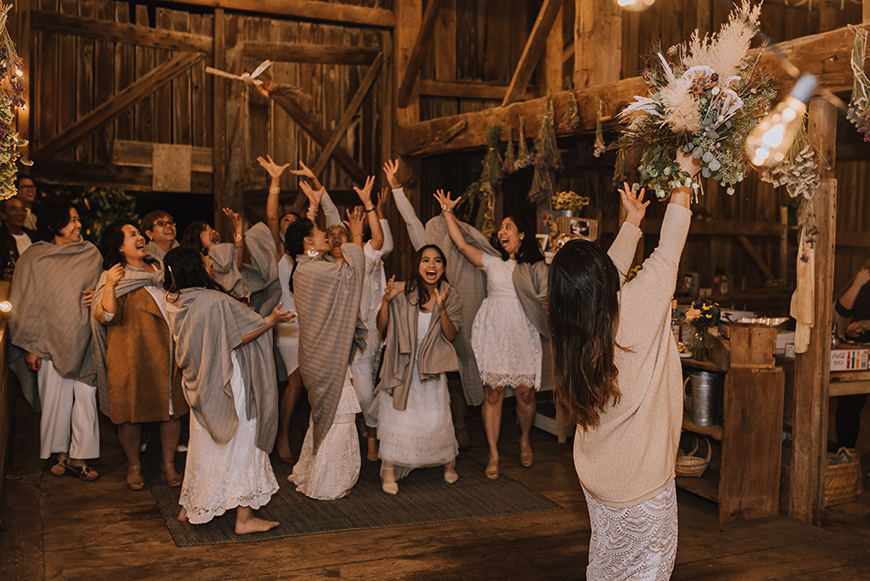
[169,476]
[135,482]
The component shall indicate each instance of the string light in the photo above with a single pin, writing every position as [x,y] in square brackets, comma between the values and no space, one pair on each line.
[770,141]
[635,5]
[5,306]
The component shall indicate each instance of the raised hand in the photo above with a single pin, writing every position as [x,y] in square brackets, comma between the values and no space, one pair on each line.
[391,168]
[234,218]
[273,168]
[354,221]
[314,196]
[278,316]
[444,200]
[305,172]
[634,205]
[390,291]
[365,194]
[862,277]
[440,297]
[383,196]
[115,275]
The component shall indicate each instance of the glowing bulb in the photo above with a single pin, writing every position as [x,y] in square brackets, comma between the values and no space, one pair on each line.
[626,3]
[19,72]
[770,141]
[634,5]
[5,306]
[23,107]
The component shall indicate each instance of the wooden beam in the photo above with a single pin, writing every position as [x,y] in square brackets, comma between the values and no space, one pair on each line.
[24,46]
[134,179]
[535,45]
[812,376]
[47,21]
[415,61]
[756,257]
[297,52]
[597,43]
[462,90]
[313,128]
[308,10]
[553,61]
[348,115]
[106,112]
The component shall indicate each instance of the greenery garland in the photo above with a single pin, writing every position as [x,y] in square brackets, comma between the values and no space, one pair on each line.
[11,91]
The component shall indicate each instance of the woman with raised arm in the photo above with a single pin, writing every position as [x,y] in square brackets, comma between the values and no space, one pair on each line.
[224,350]
[327,298]
[50,334]
[136,374]
[509,336]
[413,407]
[618,377]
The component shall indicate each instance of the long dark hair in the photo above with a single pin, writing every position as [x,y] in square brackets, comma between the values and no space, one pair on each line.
[294,241]
[583,314]
[191,237]
[53,217]
[185,269]
[111,242]
[529,250]
[416,282]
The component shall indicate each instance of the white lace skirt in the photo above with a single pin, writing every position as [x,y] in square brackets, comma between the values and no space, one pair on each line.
[423,434]
[506,344]
[220,477]
[335,469]
[637,543]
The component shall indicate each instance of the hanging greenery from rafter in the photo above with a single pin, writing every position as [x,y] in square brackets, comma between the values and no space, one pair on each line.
[572,113]
[524,156]
[859,107]
[510,157]
[599,146]
[11,90]
[492,161]
[547,158]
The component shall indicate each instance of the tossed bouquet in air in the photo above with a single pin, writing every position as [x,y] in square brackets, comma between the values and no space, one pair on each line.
[706,102]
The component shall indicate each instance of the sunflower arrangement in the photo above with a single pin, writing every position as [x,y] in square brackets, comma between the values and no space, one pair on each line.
[703,314]
[705,101]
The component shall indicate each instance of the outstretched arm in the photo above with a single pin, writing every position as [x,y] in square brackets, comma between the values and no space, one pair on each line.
[272,217]
[354,225]
[275,317]
[416,231]
[238,235]
[383,196]
[474,255]
[314,197]
[365,196]
[333,217]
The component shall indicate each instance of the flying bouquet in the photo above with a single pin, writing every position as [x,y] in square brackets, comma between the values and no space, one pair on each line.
[705,103]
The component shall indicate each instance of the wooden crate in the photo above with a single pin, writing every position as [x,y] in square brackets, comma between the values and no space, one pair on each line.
[751,345]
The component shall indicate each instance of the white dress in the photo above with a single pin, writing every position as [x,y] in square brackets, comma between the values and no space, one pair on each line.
[506,344]
[287,334]
[335,469]
[220,477]
[422,435]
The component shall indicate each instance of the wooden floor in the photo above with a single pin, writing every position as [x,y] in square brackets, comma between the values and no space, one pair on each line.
[61,528]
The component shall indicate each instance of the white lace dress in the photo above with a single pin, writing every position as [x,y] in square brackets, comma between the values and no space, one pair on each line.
[422,435]
[335,469]
[220,477]
[506,344]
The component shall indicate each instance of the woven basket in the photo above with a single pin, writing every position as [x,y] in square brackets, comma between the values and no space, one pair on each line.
[843,481]
[690,465]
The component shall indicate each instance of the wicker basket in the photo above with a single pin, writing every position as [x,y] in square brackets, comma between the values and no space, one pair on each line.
[843,481]
[690,465]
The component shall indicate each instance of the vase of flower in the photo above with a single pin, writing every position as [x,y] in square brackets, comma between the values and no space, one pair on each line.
[702,315]
[701,352]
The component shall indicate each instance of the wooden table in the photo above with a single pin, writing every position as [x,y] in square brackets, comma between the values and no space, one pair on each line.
[849,383]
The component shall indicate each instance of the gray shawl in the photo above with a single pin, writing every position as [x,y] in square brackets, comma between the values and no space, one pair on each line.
[530,282]
[48,317]
[153,250]
[206,326]
[134,279]
[259,279]
[327,298]
[435,356]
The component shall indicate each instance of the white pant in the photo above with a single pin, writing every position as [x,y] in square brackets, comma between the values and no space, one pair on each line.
[69,422]
[362,376]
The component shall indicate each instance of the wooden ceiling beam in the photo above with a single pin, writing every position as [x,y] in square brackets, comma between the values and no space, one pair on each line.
[312,127]
[348,115]
[121,102]
[415,61]
[535,46]
[308,10]
[296,52]
[464,90]
[827,55]
[47,21]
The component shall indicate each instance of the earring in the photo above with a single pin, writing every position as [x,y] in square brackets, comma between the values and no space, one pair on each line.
[312,253]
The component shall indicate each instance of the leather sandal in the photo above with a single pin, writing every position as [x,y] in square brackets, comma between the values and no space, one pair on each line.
[135,482]
[169,476]
[84,472]
[58,469]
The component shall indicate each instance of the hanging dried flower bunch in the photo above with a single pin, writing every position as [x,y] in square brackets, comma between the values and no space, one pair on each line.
[599,146]
[547,158]
[510,157]
[859,107]
[706,103]
[480,198]
[798,172]
[572,113]
[524,156]
[492,160]
[10,99]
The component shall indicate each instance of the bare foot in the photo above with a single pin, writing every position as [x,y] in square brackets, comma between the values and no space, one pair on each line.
[182,514]
[254,525]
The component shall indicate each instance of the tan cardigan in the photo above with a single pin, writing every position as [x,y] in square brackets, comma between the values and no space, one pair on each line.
[629,458]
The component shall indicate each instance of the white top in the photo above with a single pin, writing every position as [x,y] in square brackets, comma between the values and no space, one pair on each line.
[22,242]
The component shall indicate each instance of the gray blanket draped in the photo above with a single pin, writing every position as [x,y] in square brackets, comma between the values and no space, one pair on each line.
[48,317]
[206,326]
[530,282]
[259,278]
[153,250]
[436,354]
[134,279]
[327,296]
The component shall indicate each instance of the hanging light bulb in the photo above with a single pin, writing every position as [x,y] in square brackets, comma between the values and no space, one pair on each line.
[635,5]
[770,141]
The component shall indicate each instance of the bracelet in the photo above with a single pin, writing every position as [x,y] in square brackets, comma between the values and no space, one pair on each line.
[372,210]
[274,190]
[398,187]
[238,237]
[445,209]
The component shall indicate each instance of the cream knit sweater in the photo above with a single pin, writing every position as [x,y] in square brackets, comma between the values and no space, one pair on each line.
[629,458]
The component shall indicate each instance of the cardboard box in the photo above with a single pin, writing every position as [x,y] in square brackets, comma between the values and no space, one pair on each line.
[849,359]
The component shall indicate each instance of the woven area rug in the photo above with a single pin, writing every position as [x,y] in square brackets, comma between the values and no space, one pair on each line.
[423,498]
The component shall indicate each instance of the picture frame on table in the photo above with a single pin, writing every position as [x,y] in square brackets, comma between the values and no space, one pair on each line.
[543,241]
